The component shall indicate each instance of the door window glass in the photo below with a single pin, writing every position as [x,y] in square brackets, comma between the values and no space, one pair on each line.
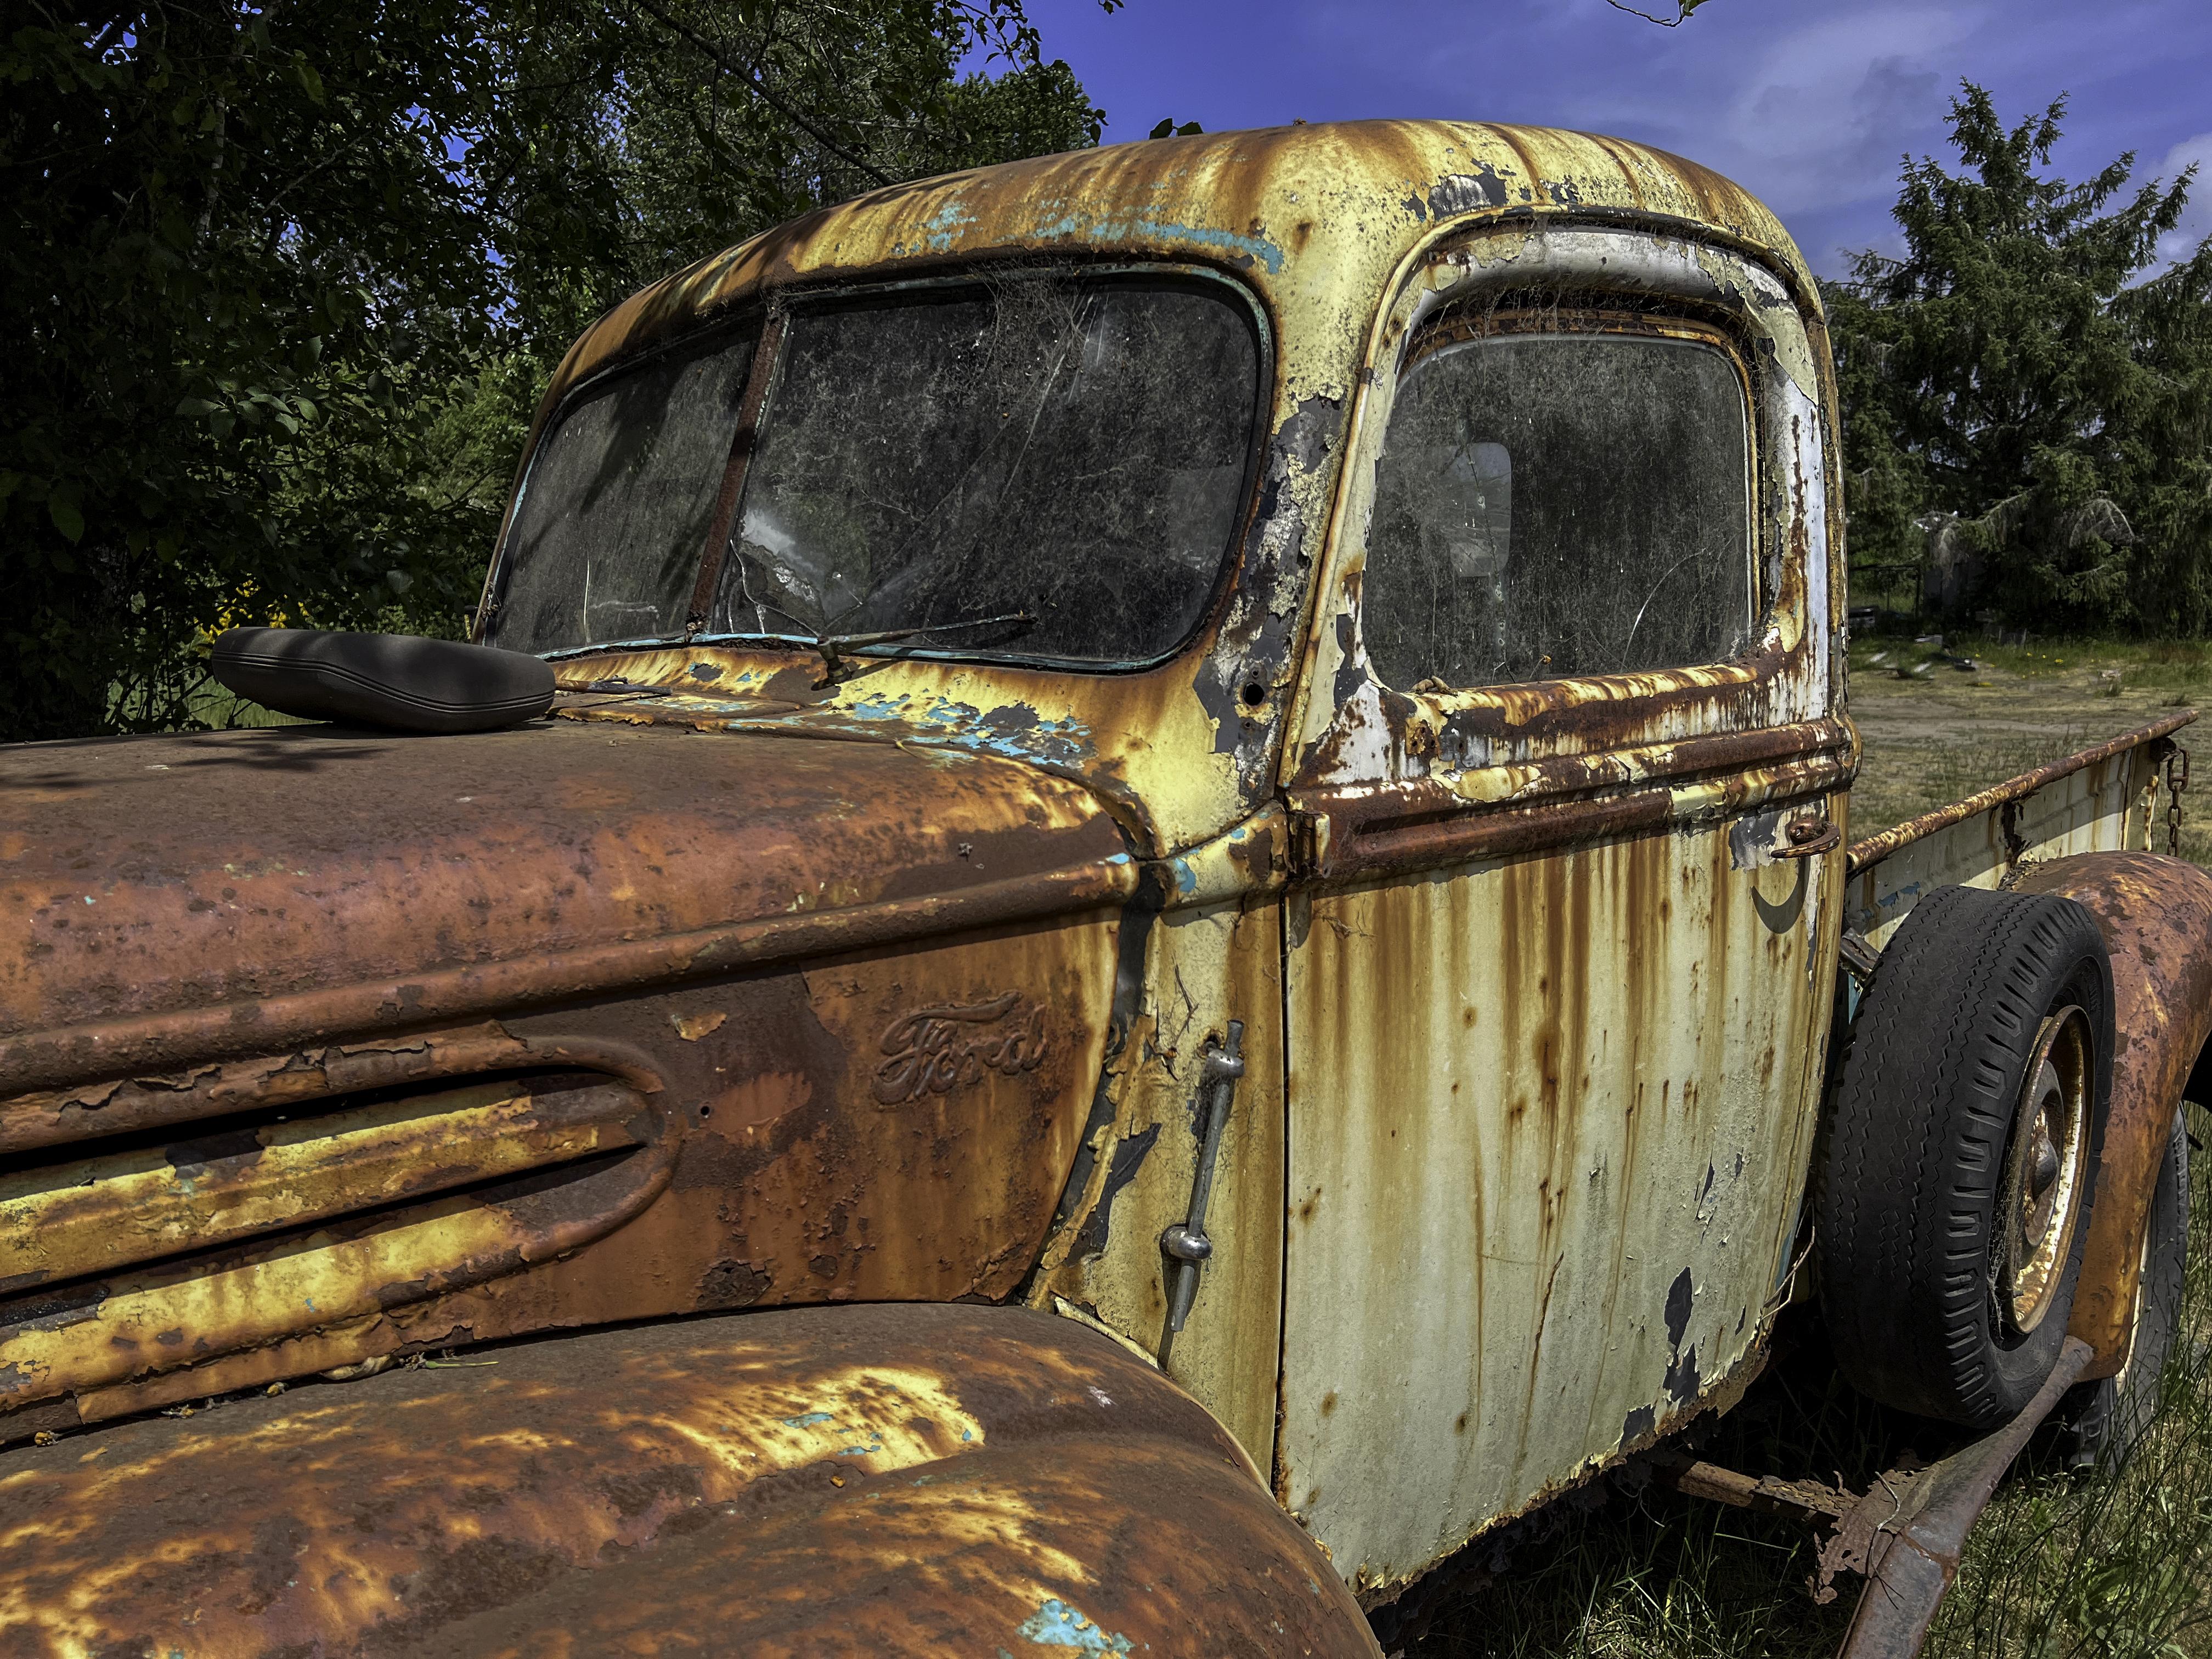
[1552,504]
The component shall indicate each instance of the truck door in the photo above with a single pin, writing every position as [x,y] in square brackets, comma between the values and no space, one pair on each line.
[1558,969]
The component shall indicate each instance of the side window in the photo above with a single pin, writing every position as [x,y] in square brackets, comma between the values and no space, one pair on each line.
[1553,502]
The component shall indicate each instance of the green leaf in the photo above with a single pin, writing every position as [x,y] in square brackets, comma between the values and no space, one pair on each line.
[66,517]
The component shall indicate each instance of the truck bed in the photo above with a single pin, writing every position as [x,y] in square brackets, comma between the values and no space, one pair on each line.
[2102,800]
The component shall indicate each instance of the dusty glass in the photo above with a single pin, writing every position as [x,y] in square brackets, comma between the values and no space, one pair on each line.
[613,518]
[1042,468]
[1557,504]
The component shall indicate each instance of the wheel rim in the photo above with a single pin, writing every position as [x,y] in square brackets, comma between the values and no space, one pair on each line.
[2040,1204]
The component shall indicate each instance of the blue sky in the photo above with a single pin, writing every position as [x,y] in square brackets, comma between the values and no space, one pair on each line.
[1808,103]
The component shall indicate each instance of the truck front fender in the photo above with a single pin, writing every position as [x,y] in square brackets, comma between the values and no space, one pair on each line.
[903,1478]
[2156,915]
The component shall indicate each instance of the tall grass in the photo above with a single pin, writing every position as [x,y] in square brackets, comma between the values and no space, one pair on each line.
[2119,1563]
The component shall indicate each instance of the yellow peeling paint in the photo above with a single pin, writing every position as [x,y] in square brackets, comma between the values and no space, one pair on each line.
[1320,223]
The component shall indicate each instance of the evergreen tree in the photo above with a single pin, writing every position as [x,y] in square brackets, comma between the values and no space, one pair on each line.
[2023,408]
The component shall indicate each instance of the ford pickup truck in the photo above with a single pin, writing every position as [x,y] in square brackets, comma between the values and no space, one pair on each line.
[1178,933]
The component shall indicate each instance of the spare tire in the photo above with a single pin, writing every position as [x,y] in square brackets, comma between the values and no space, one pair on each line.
[391,680]
[1952,1202]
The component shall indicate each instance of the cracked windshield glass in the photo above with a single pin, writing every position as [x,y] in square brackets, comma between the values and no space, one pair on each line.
[1040,468]
[1046,468]
[606,539]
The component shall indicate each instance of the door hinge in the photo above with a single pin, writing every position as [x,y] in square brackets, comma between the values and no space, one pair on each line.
[1303,853]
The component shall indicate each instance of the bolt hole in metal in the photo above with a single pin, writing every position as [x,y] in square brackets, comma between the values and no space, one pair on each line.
[2040,1204]
[1254,693]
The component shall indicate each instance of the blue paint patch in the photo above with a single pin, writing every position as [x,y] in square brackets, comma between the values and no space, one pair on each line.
[1258,246]
[1056,1624]
[878,707]
[967,1434]
[1890,900]
[1014,732]
[943,227]
[807,1420]
[1186,878]
[1078,224]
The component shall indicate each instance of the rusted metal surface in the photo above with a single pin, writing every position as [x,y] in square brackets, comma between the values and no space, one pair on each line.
[200,898]
[1316,221]
[2099,806]
[1417,823]
[92,1215]
[1293,207]
[1556,992]
[1768,1494]
[1874,848]
[1912,1542]
[913,974]
[135,1105]
[903,1480]
[2156,915]
[1203,964]
[893,1124]
[1549,1120]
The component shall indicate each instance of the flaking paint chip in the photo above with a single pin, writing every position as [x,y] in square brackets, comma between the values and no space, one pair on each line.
[692,1027]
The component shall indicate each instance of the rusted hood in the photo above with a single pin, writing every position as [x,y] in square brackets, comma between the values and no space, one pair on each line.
[175,898]
[880,1480]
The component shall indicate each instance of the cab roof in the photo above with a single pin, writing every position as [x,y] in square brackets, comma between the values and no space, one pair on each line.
[1312,216]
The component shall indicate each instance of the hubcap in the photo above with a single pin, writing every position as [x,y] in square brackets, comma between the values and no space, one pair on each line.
[2041,1202]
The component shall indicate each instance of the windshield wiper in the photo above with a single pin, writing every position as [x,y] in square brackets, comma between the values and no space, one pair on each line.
[833,646]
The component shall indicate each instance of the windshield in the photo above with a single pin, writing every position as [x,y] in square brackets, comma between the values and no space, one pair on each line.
[618,502]
[1070,452]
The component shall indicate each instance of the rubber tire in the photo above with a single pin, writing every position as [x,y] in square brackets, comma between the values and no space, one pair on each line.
[1914,1155]
[2105,1420]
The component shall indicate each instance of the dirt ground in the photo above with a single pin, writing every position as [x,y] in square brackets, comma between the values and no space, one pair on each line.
[1935,731]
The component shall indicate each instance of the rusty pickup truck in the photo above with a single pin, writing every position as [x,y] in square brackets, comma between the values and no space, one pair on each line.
[1181,933]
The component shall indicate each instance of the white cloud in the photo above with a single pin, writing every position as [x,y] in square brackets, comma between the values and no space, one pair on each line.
[1823,113]
[2196,218]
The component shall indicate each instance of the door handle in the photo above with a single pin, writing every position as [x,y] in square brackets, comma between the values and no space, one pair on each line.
[1186,1244]
[1808,837]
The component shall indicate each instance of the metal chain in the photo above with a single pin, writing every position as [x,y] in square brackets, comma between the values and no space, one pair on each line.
[2176,781]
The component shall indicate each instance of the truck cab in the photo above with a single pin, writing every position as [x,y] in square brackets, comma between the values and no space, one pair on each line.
[1172,945]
